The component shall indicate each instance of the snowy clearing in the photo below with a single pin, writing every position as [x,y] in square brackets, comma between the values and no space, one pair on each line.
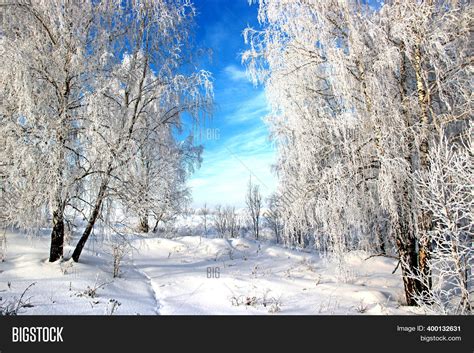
[196,275]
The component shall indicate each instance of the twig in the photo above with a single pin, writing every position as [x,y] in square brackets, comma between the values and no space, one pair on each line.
[385,255]
[22,295]
[398,264]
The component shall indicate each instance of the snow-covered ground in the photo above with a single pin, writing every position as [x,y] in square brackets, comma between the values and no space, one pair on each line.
[197,275]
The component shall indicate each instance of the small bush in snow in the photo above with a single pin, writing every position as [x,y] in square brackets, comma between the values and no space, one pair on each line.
[112,306]
[273,304]
[91,291]
[119,249]
[362,307]
[66,267]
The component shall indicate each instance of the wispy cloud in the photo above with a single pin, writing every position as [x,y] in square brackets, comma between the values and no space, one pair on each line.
[251,109]
[235,74]
[250,141]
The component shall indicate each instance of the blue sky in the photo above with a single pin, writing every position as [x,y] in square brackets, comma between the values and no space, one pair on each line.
[236,143]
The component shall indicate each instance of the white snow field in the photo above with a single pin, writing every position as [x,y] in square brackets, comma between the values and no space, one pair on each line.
[197,275]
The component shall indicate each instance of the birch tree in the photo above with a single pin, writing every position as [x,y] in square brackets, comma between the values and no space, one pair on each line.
[45,72]
[145,91]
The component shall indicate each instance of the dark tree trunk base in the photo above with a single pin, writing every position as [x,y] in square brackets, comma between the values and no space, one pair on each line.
[406,244]
[57,238]
[143,226]
[90,224]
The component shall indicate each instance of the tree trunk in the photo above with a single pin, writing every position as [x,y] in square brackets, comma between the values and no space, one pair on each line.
[424,218]
[57,236]
[381,240]
[405,239]
[408,259]
[407,249]
[158,219]
[92,219]
[143,227]
[424,252]
[256,229]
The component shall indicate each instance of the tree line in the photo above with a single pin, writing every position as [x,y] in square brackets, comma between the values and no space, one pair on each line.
[371,115]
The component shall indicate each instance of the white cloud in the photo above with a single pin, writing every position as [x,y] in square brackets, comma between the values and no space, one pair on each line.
[235,73]
[251,141]
[254,108]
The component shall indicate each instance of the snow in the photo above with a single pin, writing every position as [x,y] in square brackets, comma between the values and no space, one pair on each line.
[170,277]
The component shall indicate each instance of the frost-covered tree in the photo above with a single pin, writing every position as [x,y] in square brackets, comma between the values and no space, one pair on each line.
[204,213]
[273,218]
[145,92]
[220,221]
[153,187]
[253,200]
[359,94]
[226,221]
[48,65]
[446,193]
